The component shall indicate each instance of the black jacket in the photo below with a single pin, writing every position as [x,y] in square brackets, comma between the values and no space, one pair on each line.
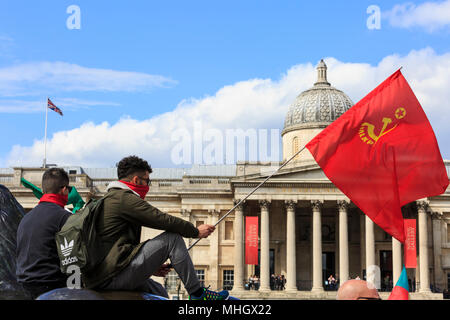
[37,257]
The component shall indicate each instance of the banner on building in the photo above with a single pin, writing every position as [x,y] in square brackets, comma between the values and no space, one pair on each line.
[410,243]
[251,240]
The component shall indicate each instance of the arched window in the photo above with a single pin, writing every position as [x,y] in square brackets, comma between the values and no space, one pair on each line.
[295,147]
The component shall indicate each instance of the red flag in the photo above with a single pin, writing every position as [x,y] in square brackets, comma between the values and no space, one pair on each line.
[382,154]
[251,240]
[410,243]
[50,105]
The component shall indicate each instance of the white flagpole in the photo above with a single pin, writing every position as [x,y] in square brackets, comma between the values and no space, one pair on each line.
[45,136]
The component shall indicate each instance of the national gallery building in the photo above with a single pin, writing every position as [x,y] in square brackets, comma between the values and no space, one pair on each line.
[308,229]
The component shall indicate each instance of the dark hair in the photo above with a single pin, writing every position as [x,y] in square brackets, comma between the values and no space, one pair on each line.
[54,179]
[130,166]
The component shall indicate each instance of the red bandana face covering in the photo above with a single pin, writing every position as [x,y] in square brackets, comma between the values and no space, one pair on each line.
[140,190]
[59,199]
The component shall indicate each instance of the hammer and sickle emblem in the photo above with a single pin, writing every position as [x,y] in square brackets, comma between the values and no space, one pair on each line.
[367,130]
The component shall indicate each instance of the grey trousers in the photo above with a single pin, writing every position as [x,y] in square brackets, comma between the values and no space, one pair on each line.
[150,257]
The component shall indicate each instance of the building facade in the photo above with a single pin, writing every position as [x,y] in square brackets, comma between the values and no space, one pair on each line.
[308,229]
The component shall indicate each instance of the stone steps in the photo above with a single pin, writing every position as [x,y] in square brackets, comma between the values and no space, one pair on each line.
[325,295]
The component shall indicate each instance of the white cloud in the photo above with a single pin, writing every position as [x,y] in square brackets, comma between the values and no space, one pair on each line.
[254,103]
[35,106]
[429,15]
[35,78]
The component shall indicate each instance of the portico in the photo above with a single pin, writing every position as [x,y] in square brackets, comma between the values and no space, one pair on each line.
[314,231]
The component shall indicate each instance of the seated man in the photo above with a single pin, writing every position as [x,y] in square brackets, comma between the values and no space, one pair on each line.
[37,267]
[129,263]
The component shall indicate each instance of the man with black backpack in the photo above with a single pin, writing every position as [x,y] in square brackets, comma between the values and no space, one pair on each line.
[38,266]
[128,264]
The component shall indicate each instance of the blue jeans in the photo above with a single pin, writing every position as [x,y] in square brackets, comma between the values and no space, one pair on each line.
[150,257]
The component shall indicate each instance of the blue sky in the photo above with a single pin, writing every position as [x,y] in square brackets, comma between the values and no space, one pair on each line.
[141,60]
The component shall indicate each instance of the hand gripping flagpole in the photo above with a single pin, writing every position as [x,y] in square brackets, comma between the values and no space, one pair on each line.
[252,192]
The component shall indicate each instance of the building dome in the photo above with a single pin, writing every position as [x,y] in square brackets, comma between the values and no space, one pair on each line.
[317,107]
[312,111]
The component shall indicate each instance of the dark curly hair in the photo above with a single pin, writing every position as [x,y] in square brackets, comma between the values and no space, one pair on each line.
[131,165]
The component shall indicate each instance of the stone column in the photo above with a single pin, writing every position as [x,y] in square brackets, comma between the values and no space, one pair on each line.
[423,247]
[265,247]
[291,256]
[417,273]
[362,243]
[343,241]
[370,244]
[396,260]
[214,250]
[317,246]
[238,247]
[439,275]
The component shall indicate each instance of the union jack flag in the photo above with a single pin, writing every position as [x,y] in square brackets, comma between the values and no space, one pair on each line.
[50,105]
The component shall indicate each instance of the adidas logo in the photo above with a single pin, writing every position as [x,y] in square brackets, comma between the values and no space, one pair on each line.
[66,248]
[69,260]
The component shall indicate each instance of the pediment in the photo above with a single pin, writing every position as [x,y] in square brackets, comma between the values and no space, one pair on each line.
[305,173]
[302,175]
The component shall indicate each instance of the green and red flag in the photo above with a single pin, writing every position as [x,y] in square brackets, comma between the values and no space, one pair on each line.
[382,154]
[401,289]
[73,199]
[36,190]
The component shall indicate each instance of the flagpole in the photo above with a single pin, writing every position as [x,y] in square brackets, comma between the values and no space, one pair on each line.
[45,135]
[253,191]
